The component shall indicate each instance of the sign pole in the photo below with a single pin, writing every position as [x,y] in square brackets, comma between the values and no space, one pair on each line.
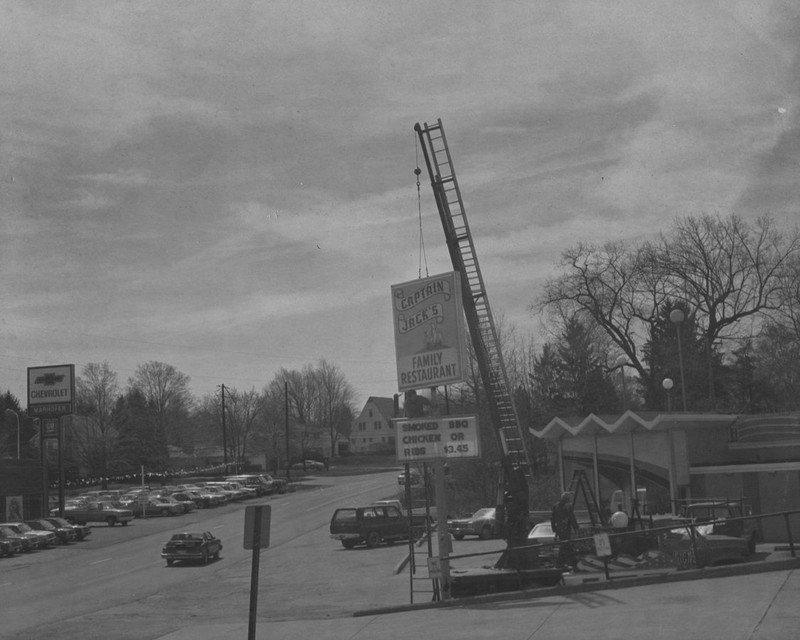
[61,478]
[443,535]
[257,522]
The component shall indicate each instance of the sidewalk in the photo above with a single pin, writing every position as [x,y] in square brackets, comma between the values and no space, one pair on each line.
[750,601]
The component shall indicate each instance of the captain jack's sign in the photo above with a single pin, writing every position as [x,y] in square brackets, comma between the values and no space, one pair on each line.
[429,334]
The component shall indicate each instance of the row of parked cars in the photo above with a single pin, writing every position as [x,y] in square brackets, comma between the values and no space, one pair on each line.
[39,533]
[120,507]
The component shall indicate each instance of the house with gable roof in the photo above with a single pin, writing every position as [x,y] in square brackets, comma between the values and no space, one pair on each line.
[372,430]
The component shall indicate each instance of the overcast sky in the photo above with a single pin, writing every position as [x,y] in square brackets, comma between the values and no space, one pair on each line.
[228,187]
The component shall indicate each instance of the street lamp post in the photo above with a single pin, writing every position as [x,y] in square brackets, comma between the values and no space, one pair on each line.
[9,412]
[621,363]
[676,317]
[668,384]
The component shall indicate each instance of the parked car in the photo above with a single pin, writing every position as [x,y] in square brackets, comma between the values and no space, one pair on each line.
[729,518]
[190,496]
[109,512]
[263,483]
[482,523]
[209,498]
[183,500]
[10,545]
[414,477]
[249,492]
[308,465]
[543,534]
[45,538]
[63,534]
[224,496]
[165,506]
[25,542]
[697,547]
[191,545]
[81,530]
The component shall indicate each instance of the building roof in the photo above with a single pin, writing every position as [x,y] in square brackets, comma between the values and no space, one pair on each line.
[630,421]
[384,405]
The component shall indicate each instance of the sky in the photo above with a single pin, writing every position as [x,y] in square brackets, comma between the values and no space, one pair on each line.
[228,187]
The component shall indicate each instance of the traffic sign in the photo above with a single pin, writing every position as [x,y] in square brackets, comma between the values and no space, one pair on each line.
[256,526]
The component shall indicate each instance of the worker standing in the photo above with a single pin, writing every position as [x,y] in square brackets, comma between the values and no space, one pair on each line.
[562,520]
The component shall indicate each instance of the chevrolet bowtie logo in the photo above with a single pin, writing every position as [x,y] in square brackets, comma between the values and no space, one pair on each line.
[49,379]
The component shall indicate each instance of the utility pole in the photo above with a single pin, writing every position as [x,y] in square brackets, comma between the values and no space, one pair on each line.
[286,418]
[224,431]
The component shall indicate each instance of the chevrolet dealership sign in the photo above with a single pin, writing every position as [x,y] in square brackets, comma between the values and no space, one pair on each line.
[51,390]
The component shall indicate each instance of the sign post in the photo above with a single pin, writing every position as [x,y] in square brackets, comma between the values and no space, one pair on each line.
[256,536]
[51,396]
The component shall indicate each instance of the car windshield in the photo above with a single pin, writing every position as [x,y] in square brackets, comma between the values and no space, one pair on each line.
[23,527]
[61,522]
[543,528]
[483,513]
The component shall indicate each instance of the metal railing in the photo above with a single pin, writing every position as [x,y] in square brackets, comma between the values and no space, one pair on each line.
[588,541]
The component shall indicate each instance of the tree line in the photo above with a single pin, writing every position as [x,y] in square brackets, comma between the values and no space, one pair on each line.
[156,422]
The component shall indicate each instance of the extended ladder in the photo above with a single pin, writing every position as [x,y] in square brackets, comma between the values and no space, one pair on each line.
[580,486]
[476,303]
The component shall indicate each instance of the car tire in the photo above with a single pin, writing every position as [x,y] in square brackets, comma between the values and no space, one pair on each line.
[205,557]
[486,532]
[348,544]
[458,536]
[111,521]
[751,543]
[124,523]
[165,512]
[169,562]
[216,555]
[373,539]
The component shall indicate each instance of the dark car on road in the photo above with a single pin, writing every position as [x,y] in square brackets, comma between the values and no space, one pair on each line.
[192,545]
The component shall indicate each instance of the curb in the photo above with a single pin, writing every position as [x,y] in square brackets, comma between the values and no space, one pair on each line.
[615,583]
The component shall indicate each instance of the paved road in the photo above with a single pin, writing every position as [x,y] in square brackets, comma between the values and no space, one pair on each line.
[117,587]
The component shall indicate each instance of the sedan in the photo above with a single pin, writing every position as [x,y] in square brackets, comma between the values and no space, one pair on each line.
[543,534]
[9,545]
[26,544]
[81,530]
[45,538]
[482,523]
[64,534]
[191,545]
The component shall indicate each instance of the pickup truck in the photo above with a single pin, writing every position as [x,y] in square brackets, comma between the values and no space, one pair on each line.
[108,512]
[729,518]
[374,524]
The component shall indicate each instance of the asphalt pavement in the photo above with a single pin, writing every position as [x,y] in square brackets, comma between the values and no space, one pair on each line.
[758,600]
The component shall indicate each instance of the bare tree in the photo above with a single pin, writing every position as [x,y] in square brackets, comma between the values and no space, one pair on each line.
[94,434]
[166,392]
[244,411]
[615,288]
[728,271]
[335,397]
